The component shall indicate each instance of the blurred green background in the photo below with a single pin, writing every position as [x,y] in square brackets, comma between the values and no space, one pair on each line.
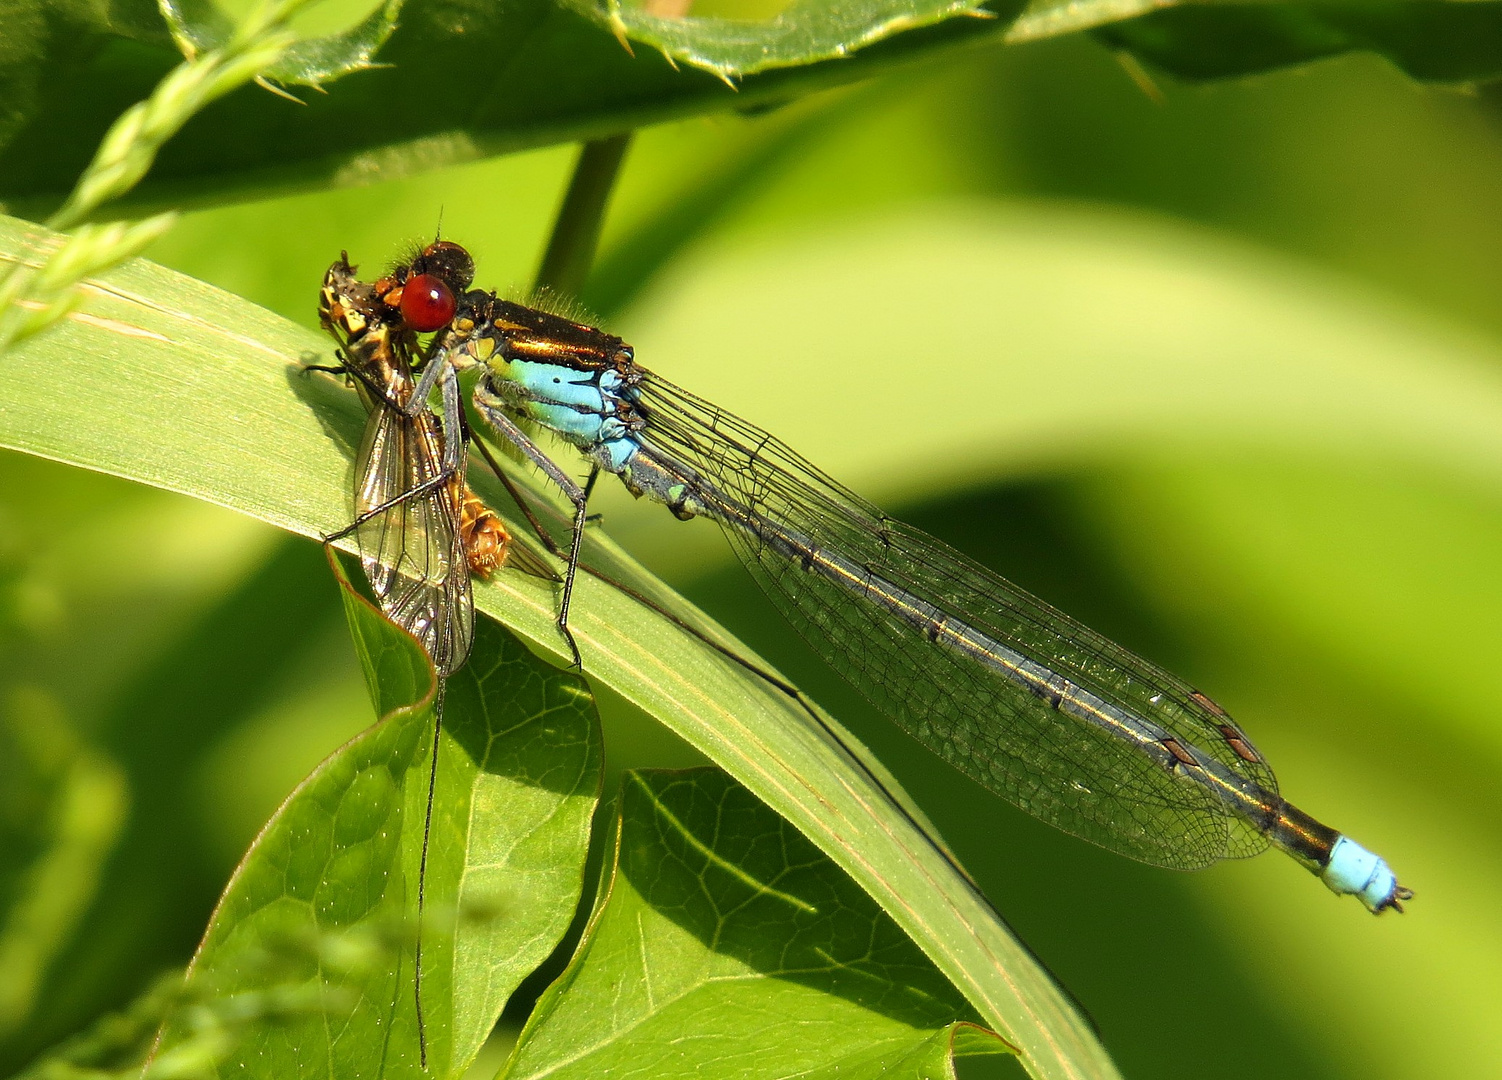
[1220,374]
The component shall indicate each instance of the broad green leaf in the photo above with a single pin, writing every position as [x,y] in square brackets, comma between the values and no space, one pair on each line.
[1434,40]
[804,32]
[518,776]
[170,382]
[455,82]
[327,894]
[725,944]
[200,25]
[323,898]
[1041,19]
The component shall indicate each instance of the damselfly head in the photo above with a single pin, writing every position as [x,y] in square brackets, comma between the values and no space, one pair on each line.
[427,303]
[424,288]
[447,261]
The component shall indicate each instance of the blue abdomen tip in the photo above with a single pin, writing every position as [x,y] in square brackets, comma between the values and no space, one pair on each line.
[1353,869]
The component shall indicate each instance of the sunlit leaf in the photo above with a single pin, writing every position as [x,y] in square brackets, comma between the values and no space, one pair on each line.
[1436,40]
[200,25]
[804,32]
[726,944]
[457,80]
[203,394]
[326,897]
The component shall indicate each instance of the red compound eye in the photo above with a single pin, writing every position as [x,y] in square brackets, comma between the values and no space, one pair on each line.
[427,303]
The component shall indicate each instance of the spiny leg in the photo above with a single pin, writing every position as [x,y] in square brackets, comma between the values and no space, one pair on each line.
[352,371]
[453,452]
[522,502]
[455,461]
[554,548]
[492,409]
[427,487]
[589,488]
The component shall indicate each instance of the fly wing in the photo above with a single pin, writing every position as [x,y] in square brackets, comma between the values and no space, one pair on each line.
[410,545]
[1055,766]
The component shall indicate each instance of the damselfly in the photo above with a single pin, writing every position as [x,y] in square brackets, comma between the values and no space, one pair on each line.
[1050,715]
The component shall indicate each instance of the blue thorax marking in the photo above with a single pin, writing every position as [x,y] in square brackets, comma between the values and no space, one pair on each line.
[614,455]
[560,384]
[583,406]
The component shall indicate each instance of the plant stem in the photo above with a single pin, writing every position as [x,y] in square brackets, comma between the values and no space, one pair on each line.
[576,232]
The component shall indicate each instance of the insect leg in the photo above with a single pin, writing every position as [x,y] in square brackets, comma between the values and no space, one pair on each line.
[491,407]
[435,368]
[427,487]
[376,390]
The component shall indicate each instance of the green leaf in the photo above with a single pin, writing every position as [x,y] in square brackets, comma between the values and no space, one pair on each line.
[456,81]
[200,25]
[1041,19]
[314,61]
[724,944]
[323,898]
[173,383]
[1434,40]
[438,82]
[805,32]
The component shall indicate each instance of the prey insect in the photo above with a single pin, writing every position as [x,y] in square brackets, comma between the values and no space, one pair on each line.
[421,531]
